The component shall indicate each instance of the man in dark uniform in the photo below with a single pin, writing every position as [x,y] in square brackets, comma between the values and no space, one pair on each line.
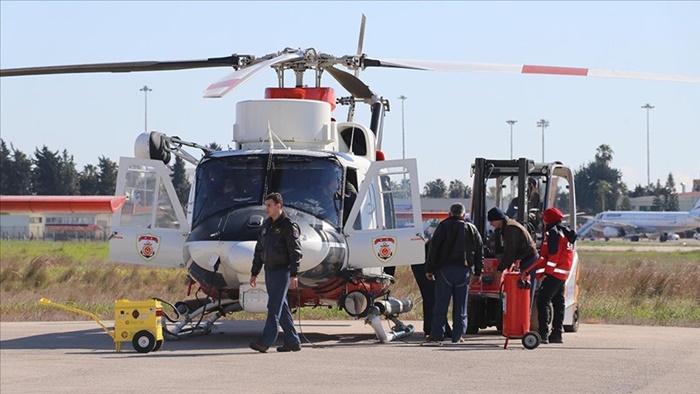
[427,293]
[279,250]
[454,249]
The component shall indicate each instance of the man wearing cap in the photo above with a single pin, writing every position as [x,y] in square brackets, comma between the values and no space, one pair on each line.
[555,264]
[454,249]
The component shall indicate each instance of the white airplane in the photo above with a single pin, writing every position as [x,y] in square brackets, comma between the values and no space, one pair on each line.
[648,224]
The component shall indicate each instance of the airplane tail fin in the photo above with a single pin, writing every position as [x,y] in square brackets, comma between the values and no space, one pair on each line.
[696,208]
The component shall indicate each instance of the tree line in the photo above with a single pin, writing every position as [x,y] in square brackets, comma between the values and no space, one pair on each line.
[49,172]
[599,186]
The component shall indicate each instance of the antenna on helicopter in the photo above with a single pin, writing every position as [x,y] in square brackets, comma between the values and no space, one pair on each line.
[271,136]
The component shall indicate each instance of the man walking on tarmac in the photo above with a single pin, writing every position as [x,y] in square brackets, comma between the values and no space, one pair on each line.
[557,258]
[279,249]
[455,248]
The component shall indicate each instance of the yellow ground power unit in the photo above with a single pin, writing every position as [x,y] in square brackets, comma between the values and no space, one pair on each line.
[138,322]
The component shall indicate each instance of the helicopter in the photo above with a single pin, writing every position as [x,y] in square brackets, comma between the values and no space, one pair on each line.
[359,213]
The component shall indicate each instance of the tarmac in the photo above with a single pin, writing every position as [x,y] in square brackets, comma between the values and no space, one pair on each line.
[345,356]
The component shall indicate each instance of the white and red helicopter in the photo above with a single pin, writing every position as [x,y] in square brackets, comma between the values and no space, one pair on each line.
[289,142]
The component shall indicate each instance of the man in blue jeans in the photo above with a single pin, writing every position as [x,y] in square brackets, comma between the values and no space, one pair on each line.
[279,249]
[455,248]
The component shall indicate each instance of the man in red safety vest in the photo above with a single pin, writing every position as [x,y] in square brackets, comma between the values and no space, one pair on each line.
[556,258]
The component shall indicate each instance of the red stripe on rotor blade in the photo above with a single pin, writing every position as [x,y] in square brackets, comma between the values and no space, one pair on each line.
[224,84]
[555,70]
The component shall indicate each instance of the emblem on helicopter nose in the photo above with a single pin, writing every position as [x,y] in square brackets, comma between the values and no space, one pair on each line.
[147,246]
[384,248]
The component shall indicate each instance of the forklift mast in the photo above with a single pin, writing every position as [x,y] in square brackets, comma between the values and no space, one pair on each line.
[518,171]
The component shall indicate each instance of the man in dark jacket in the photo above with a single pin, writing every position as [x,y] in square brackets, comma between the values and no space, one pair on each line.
[427,293]
[279,250]
[455,248]
[518,245]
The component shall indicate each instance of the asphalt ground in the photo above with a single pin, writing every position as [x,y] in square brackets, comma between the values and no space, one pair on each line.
[344,356]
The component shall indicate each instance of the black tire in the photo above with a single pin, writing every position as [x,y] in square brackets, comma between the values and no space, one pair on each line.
[576,321]
[475,315]
[144,341]
[159,344]
[531,340]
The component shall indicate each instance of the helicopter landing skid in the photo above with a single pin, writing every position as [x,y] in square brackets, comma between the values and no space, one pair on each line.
[193,323]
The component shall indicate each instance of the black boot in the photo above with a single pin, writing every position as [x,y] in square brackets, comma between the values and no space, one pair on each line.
[555,337]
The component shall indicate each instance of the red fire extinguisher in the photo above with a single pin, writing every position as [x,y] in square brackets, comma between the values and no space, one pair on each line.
[515,296]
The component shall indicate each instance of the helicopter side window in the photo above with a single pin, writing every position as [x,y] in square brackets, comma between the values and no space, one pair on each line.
[140,188]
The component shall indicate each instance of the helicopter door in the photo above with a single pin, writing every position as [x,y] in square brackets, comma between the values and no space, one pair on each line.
[151,227]
[384,227]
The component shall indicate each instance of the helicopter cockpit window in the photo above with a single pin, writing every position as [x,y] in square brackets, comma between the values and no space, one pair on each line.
[310,184]
[228,183]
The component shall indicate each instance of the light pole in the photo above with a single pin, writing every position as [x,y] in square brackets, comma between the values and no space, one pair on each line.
[543,123]
[145,89]
[403,127]
[512,183]
[511,123]
[648,106]
[403,134]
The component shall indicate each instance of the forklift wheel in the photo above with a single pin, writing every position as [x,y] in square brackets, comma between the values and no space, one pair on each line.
[144,341]
[159,344]
[576,320]
[531,340]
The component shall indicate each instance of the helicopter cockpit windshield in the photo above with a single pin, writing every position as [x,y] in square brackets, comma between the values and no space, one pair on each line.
[308,183]
[227,183]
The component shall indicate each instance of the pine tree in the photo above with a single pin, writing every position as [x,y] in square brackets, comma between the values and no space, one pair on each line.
[46,174]
[70,181]
[180,181]
[671,197]
[107,177]
[5,168]
[20,180]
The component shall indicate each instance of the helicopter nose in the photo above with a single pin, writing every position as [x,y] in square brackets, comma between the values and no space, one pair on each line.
[238,255]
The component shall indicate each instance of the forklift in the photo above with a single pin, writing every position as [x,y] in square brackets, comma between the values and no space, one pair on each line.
[503,184]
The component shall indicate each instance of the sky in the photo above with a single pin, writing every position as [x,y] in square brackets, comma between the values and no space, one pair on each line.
[450,118]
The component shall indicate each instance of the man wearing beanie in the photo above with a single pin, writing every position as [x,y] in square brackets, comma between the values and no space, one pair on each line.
[455,248]
[517,245]
[517,242]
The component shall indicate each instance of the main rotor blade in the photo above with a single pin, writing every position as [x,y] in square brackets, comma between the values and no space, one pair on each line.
[430,65]
[228,83]
[123,67]
[361,41]
[351,83]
